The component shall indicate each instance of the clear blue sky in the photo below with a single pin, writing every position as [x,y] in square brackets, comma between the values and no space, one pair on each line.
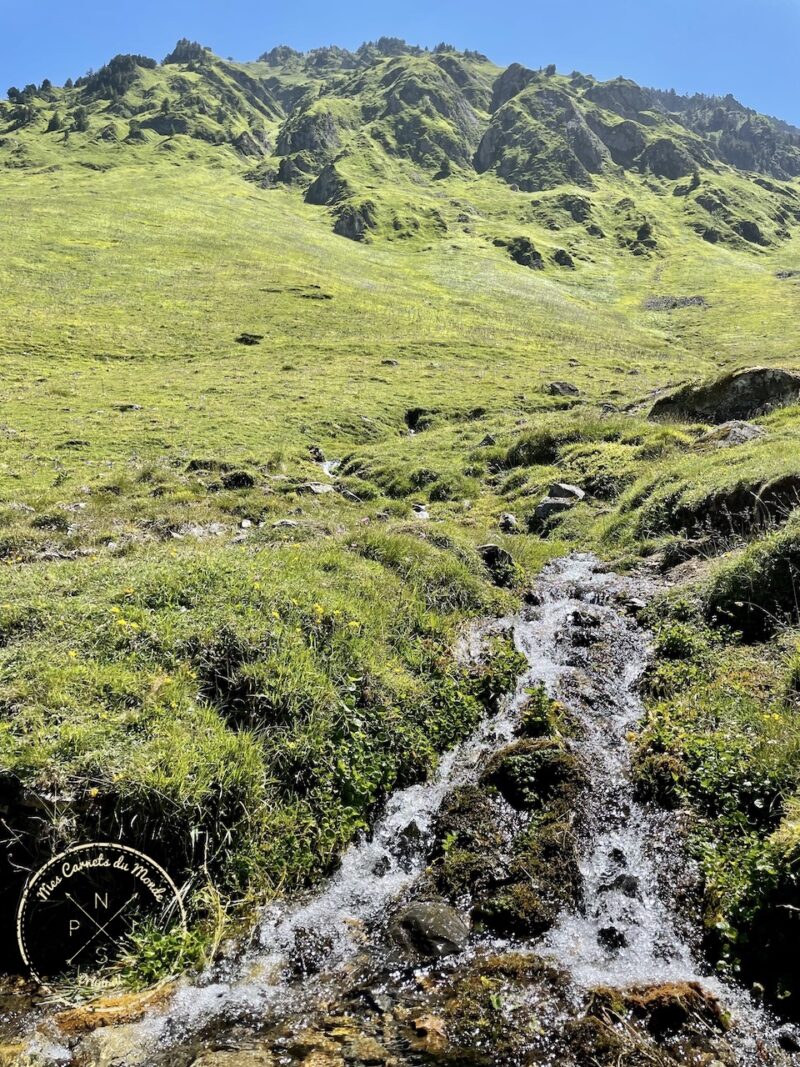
[748,47]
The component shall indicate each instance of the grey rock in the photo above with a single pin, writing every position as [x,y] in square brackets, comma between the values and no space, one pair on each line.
[315,488]
[432,929]
[744,394]
[565,490]
[550,506]
[509,523]
[285,524]
[731,434]
[563,389]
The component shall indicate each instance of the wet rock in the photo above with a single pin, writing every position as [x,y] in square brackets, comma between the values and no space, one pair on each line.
[240,1058]
[627,884]
[113,1046]
[500,564]
[612,938]
[789,1038]
[117,1010]
[565,490]
[563,389]
[543,880]
[731,434]
[532,773]
[432,929]
[742,395]
[238,480]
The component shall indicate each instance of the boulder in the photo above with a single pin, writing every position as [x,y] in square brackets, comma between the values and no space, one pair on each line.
[666,159]
[563,389]
[731,434]
[354,221]
[744,394]
[315,488]
[563,490]
[546,509]
[432,929]
[238,480]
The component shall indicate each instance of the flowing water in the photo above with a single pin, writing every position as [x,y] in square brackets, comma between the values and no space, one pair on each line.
[585,648]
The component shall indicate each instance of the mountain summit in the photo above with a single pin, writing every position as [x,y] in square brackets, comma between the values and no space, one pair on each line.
[370,134]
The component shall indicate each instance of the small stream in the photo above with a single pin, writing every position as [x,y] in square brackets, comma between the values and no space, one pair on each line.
[583,645]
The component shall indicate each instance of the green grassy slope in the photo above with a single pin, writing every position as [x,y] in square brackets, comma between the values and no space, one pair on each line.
[188,630]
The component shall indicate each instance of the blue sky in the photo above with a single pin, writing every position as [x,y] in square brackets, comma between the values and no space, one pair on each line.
[747,47]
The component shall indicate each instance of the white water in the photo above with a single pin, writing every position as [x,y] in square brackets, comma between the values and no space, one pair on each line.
[591,662]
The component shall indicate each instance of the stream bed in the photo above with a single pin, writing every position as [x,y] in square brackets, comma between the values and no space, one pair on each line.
[378,966]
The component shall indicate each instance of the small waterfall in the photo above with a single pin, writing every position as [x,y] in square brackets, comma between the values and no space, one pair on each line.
[586,650]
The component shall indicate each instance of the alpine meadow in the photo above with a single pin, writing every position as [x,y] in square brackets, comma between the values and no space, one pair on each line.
[400,545]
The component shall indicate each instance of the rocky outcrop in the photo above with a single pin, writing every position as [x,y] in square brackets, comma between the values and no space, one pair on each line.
[667,159]
[354,221]
[329,188]
[745,394]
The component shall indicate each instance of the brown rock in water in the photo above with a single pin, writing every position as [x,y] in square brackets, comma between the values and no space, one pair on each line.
[744,394]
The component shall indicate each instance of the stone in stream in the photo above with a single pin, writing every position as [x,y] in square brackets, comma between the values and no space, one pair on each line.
[612,938]
[113,1046]
[239,1058]
[433,929]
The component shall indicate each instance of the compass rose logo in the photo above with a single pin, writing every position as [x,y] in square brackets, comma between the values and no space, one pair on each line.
[77,912]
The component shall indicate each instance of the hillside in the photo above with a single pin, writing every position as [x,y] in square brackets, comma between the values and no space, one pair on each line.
[285,343]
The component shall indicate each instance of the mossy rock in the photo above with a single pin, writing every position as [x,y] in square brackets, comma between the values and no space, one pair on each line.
[533,773]
[544,881]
